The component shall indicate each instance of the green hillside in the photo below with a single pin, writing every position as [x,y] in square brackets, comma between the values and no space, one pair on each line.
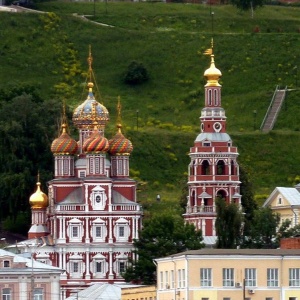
[49,51]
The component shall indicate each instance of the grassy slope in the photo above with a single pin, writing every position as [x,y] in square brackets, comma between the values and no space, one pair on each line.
[169,40]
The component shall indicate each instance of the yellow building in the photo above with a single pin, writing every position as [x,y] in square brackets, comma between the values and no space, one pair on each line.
[144,292]
[229,274]
[286,202]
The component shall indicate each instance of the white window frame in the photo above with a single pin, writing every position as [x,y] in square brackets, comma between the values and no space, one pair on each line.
[172,279]
[38,294]
[294,276]
[228,277]
[161,275]
[6,294]
[250,277]
[206,277]
[272,277]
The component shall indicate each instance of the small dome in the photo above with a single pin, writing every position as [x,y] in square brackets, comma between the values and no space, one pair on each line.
[119,144]
[64,144]
[212,74]
[96,143]
[38,200]
[90,111]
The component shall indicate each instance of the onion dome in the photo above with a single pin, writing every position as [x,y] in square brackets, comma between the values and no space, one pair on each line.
[64,144]
[212,74]
[119,145]
[96,143]
[38,200]
[89,112]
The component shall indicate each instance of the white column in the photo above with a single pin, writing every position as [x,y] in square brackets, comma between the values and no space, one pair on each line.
[110,264]
[87,263]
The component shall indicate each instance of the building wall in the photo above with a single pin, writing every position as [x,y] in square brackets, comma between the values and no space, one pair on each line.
[187,285]
[139,293]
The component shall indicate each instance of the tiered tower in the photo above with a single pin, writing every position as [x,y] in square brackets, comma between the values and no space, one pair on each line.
[213,170]
[93,215]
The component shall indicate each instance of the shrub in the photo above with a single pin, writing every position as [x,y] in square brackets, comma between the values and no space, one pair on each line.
[136,73]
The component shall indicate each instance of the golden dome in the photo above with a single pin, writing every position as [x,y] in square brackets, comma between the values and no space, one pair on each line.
[212,74]
[38,200]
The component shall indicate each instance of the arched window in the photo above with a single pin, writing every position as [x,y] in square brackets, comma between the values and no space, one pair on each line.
[232,168]
[221,194]
[209,98]
[216,102]
[220,167]
[192,167]
[205,168]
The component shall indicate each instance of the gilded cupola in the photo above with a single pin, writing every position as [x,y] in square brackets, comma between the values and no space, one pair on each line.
[212,74]
[38,200]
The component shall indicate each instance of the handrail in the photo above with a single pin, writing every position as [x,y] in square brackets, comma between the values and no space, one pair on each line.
[269,108]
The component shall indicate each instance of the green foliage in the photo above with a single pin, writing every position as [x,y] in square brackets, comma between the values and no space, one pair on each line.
[26,130]
[136,73]
[228,224]
[161,236]
[263,230]
[248,4]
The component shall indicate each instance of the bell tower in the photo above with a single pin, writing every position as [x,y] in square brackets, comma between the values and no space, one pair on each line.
[213,169]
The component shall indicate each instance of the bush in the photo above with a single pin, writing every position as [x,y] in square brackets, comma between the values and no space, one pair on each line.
[136,73]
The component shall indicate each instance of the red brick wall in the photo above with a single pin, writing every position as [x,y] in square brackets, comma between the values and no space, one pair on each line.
[290,243]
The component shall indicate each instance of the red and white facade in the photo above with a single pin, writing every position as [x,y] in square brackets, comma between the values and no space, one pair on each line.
[93,216]
[213,170]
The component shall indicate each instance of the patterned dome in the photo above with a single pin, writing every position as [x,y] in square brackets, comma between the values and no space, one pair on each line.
[96,143]
[90,111]
[38,200]
[64,144]
[119,144]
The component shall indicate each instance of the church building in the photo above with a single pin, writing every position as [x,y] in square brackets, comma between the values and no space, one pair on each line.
[90,218]
[213,169]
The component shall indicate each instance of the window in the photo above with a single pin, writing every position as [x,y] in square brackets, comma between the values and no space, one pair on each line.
[204,298]
[228,277]
[205,277]
[75,231]
[161,280]
[179,278]
[38,294]
[220,167]
[81,174]
[294,277]
[99,267]
[75,267]
[6,264]
[250,277]
[98,231]
[122,267]
[121,231]
[172,279]
[167,279]
[272,277]
[269,298]
[183,277]
[279,200]
[292,298]
[226,298]
[6,294]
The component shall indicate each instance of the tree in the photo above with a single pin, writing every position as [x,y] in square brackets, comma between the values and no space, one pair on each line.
[248,4]
[27,128]
[228,224]
[249,206]
[161,236]
[263,233]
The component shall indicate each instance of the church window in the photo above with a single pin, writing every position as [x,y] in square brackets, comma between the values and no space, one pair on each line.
[75,267]
[221,194]
[209,98]
[121,231]
[220,167]
[232,168]
[98,231]
[216,98]
[97,165]
[75,231]
[98,198]
[122,267]
[205,168]
[99,267]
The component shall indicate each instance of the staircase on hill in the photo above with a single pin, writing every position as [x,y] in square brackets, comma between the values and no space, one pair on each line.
[273,110]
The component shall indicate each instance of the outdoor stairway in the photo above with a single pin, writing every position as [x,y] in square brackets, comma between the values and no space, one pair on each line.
[273,110]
